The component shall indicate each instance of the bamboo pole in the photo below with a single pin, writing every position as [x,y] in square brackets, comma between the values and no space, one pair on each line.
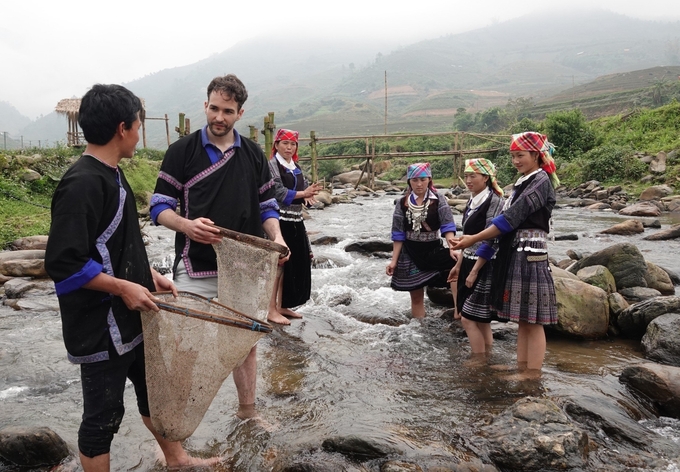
[312,144]
[268,131]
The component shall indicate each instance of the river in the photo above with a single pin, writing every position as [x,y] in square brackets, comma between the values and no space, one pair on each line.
[331,375]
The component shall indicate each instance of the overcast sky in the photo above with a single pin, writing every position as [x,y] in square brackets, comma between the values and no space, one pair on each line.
[51,50]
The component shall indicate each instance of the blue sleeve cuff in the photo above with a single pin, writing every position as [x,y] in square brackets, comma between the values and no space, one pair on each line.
[269,214]
[89,271]
[485,251]
[398,236]
[448,228]
[157,210]
[502,224]
[290,196]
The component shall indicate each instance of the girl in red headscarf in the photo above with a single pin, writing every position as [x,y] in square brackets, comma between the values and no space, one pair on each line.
[523,289]
[293,287]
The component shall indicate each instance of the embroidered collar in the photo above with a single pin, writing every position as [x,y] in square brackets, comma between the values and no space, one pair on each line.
[288,165]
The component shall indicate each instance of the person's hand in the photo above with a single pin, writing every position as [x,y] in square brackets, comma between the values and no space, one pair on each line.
[389,270]
[310,201]
[312,190]
[282,259]
[461,242]
[163,284]
[453,274]
[137,297]
[470,280]
[199,230]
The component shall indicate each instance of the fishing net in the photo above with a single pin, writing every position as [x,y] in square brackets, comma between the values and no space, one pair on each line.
[193,344]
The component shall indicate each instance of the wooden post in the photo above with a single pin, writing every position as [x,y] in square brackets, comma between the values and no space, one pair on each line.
[456,158]
[253,132]
[167,128]
[312,144]
[180,128]
[144,134]
[187,126]
[371,161]
[268,131]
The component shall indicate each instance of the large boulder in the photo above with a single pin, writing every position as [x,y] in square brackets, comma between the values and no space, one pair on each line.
[535,434]
[29,242]
[598,276]
[633,321]
[559,273]
[659,383]
[23,268]
[582,309]
[661,342]
[624,261]
[369,247]
[658,279]
[671,232]
[617,303]
[324,197]
[655,192]
[641,209]
[351,177]
[627,228]
[440,296]
[658,164]
[32,446]
[638,294]
[357,448]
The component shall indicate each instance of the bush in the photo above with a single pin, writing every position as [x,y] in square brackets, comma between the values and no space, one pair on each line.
[570,133]
[612,163]
[442,168]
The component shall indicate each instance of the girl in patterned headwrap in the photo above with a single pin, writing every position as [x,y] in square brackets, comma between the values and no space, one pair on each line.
[418,257]
[523,289]
[473,271]
[291,191]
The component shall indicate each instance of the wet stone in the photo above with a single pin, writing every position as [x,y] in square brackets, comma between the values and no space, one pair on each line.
[356,448]
[31,446]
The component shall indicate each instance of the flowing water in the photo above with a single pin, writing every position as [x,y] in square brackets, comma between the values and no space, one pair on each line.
[329,374]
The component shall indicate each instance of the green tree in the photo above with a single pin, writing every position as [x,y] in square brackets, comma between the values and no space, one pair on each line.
[570,133]
[463,121]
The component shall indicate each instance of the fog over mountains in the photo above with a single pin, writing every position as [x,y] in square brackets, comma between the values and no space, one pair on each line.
[338,87]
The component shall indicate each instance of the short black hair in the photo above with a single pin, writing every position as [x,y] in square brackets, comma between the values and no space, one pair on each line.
[103,108]
[231,86]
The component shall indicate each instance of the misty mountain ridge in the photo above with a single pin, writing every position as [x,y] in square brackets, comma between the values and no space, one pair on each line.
[337,87]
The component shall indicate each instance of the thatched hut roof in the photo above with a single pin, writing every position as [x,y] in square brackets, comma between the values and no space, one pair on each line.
[71,106]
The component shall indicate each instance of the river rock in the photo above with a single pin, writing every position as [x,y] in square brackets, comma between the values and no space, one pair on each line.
[598,276]
[351,177]
[440,296]
[582,309]
[675,278]
[641,209]
[574,254]
[15,287]
[624,261]
[375,317]
[566,237]
[655,192]
[610,423]
[23,268]
[557,273]
[651,223]
[400,466]
[633,321]
[661,342]
[627,228]
[659,383]
[37,303]
[535,434]
[29,175]
[658,279]
[22,255]
[672,232]
[369,247]
[658,164]
[638,294]
[616,303]
[29,242]
[32,446]
[324,197]
[599,206]
[357,448]
[324,241]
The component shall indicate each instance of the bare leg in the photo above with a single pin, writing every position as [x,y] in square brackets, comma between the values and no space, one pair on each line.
[485,328]
[101,463]
[245,379]
[532,348]
[273,313]
[175,455]
[418,303]
[454,292]
[475,335]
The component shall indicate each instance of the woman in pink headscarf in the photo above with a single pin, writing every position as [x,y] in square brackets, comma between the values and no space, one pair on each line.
[293,287]
[523,289]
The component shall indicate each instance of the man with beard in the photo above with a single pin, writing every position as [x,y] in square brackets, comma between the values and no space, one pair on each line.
[218,177]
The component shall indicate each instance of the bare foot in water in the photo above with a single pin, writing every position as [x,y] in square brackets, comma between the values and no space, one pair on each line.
[278,318]
[289,313]
[528,374]
[195,463]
